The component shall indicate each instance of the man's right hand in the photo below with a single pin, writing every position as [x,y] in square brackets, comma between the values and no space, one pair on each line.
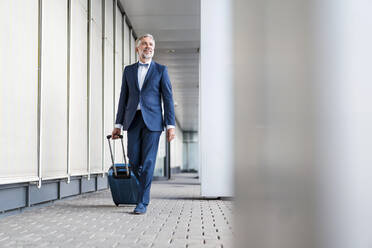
[115,133]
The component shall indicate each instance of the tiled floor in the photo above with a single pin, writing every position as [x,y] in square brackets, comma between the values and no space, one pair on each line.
[177,217]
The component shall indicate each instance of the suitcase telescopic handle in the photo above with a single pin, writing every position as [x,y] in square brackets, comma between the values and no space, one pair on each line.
[112,156]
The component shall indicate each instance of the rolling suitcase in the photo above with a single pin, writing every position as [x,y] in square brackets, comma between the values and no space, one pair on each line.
[123,183]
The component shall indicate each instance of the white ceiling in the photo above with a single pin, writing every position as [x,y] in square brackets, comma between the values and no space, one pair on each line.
[175,25]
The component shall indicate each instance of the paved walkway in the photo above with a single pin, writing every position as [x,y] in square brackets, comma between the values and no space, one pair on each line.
[176,217]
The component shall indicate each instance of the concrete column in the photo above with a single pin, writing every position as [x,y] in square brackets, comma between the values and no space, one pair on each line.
[303,123]
[216,113]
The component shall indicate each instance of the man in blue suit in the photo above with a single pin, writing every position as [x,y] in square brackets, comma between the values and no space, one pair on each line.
[144,84]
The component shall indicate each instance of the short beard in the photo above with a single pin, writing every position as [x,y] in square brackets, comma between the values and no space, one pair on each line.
[147,56]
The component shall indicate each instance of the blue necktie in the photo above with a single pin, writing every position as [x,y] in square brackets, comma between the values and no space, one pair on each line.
[145,65]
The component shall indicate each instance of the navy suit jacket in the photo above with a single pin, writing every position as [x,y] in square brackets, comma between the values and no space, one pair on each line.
[156,86]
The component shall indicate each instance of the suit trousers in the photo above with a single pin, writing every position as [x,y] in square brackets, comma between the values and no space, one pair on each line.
[142,149]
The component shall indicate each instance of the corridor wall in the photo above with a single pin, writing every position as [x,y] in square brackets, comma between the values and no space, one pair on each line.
[61,73]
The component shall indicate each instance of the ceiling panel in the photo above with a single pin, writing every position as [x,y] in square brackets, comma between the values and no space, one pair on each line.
[175,25]
[168,22]
[172,34]
[161,7]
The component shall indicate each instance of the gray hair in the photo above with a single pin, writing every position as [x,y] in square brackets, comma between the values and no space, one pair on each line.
[138,41]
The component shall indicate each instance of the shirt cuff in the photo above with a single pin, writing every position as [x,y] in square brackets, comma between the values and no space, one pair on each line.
[118,126]
[170,126]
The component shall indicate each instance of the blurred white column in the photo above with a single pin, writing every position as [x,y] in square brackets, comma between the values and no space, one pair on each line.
[303,123]
[216,113]
[345,132]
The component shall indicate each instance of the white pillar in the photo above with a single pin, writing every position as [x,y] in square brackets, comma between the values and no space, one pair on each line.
[345,133]
[216,165]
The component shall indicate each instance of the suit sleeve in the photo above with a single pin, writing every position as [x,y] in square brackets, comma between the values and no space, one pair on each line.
[123,100]
[166,89]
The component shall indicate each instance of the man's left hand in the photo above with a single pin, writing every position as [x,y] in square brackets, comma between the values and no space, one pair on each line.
[171,133]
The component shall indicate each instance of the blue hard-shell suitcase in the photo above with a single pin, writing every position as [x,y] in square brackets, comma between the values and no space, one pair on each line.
[123,182]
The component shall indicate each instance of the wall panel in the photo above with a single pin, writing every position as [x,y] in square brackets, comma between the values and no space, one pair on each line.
[132,50]
[95,108]
[126,44]
[108,79]
[54,90]
[126,40]
[118,72]
[18,90]
[78,89]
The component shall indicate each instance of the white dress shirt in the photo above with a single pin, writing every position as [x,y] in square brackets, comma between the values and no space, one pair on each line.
[142,71]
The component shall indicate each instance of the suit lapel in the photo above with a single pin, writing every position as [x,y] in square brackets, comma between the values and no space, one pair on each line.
[149,73]
[135,71]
